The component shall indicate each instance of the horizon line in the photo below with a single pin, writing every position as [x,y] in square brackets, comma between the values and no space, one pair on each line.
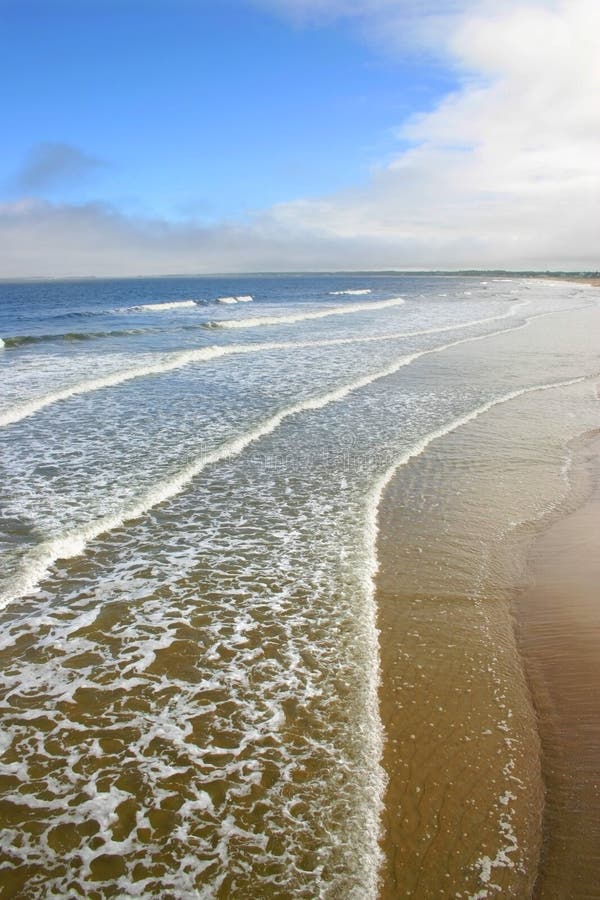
[582,273]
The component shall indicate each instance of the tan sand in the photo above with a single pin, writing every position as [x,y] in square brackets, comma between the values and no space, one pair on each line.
[447,762]
[559,631]
[595,282]
[462,813]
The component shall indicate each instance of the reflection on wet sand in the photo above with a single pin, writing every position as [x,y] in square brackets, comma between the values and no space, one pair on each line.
[559,630]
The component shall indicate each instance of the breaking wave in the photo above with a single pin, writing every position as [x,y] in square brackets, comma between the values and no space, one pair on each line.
[305,316]
[183,358]
[159,307]
[354,293]
[37,563]
[20,340]
[246,298]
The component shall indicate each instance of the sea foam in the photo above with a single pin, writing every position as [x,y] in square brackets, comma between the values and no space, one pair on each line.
[305,316]
[37,563]
[244,298]
[172,304]
[355,293]
[183,358]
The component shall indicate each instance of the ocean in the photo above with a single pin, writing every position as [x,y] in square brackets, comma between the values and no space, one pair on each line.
[210,489]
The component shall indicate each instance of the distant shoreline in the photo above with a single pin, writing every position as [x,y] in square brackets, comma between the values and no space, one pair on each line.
[587,277]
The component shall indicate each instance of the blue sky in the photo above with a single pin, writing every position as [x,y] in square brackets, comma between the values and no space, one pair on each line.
[203,110]
[166,136]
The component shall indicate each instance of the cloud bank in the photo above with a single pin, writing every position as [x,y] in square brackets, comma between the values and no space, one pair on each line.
[504,173]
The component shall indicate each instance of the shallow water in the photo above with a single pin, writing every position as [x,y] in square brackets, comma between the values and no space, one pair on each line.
[189,648]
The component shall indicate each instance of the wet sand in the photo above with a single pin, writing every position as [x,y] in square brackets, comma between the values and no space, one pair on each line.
[464,807]
[558,616]
[458,818]
[462,814]
[446,749]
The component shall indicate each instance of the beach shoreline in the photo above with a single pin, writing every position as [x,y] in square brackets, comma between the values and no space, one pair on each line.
[466,802]
[557,805]
[464,798]
[188,699]
[557,617]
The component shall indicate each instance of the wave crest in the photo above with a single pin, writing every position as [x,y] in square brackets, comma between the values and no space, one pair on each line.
[158,307]
[354,292]
[305,316]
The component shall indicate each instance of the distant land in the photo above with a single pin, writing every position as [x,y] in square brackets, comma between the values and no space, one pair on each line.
[495,273]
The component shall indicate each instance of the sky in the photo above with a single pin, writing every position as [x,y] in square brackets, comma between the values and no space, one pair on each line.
[150,137]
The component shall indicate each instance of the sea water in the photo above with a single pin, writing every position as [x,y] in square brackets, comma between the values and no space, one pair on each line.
[192,471]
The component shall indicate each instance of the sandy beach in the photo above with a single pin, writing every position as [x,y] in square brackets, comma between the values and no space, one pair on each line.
[490,663]
[558,617]
[464,796]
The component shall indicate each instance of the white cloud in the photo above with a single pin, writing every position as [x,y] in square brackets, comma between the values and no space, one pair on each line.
[506,171]
[390,24]
[503,173]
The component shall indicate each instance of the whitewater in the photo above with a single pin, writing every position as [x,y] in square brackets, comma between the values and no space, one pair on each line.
[190,538]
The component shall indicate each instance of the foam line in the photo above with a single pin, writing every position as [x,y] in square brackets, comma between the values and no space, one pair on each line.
[175,361]
[440,330]
[302,317]
[353,292]
[157,307]
[37,563]
[187,357]
[420,446]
